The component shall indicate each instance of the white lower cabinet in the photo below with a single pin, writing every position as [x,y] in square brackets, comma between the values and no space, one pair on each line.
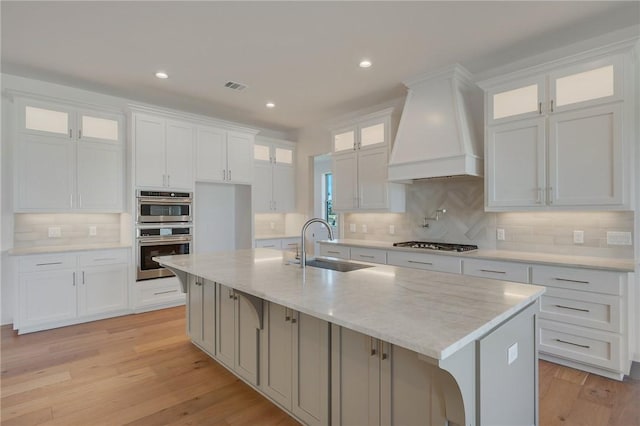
[429,262]
[62,289]
[201,308]
[505,271]
[295,363]
[330,250]
[238,325]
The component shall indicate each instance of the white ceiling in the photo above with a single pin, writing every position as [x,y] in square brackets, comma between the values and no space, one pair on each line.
[301,55]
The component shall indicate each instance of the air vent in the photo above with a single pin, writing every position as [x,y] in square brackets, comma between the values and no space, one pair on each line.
[235,86]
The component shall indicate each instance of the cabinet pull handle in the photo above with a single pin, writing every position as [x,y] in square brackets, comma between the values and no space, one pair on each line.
[373,348]
[274,205]
[70,134]
[383,353]
[539,195]
[573,309]
[230,294]
[235,297]
[74,279]
[165,292]
[48,263]
[82,277]
[71,200]
[418,262]
[574,344]
[571,281]
[293,317]
[269,246]
[286,314]
[551,105]
[229,174]
[79,133]
[224,175]
[79,200]
[550,198]
[366,256]
[169,181]
[493,272]
[540,108]
[333,252]
[102,259]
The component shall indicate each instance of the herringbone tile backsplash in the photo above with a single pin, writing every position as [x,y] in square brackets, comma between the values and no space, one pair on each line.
[466,222]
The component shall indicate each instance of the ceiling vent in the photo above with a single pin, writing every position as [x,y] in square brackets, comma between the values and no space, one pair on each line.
[235,86]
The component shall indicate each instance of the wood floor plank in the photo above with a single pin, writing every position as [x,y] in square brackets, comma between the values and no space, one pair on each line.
[143,370]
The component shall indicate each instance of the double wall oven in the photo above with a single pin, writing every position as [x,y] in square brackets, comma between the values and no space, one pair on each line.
[163,228]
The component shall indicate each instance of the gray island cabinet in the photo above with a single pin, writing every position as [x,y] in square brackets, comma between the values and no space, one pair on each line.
[378,346]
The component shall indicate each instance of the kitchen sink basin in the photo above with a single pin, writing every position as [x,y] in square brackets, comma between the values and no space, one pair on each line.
[336,265]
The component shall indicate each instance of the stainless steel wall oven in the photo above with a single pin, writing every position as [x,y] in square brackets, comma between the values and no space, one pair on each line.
[164,207]
[160,241]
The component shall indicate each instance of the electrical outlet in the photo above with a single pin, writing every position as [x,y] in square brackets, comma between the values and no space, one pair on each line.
[352,227]
[272,225]
[54,232]
[500,234]
[392,229]
[93,231]
[578,237]
[512,353]
[364,228]
[619,238]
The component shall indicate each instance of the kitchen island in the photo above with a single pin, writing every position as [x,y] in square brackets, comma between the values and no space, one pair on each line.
[381,345]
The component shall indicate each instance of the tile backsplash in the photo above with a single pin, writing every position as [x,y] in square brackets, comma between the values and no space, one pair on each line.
[466,222]
[277,224]
[32,229]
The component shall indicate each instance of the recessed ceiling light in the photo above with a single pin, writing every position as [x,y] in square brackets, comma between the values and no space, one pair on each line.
[162,75]
[270,105]
[365,63]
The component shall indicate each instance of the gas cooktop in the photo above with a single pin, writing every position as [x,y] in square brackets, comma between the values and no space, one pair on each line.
[436,246]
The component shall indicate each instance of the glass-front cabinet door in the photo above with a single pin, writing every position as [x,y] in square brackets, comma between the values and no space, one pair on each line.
[46,119]
[518,100]
[99,127]
[344,140]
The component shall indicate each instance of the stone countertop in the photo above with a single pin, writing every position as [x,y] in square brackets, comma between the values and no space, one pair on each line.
[588,262]
[432,313]
[62,249]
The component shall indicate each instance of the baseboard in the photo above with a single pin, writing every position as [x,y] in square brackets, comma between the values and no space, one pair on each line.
[635,370]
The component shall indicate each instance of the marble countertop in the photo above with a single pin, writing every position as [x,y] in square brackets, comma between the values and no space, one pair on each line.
[69,248]
[603,263]
[275,236]
[432,313]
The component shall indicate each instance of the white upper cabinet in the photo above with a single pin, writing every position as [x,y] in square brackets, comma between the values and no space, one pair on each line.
[359,166]
[67,158]
[224,156]
[558,140]
[274,185]
[163,152]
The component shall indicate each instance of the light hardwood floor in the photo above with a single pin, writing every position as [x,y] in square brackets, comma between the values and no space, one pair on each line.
[142,370]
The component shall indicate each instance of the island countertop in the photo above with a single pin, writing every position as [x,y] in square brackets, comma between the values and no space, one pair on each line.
[432,313]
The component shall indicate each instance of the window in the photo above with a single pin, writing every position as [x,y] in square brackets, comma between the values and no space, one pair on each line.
[329,215]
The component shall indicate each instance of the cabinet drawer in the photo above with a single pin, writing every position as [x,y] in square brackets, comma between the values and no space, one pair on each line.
[580,308]
[272,244]
[425,261]
[578,279]
[48,262]
[368,255]
[104,257]
[332,250]
[505,271]
[291,244]
[159,291]
[594,347]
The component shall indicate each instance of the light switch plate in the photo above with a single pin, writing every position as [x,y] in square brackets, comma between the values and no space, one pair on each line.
[512,353]
[93,231]
[619,238]
[500,234]
[364,228]
[352,227]
[392,229]
[578,237]
[54,232]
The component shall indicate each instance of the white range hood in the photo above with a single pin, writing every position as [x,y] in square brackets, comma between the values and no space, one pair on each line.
[440,132]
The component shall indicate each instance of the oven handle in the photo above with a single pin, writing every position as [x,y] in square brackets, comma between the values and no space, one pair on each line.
[144,242]
[164,200]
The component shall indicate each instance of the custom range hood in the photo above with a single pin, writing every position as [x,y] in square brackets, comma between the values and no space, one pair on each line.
[440,132]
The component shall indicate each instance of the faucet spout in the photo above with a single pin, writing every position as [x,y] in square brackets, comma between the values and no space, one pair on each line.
[303,252]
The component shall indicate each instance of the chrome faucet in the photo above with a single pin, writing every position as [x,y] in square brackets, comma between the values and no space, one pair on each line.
[303,252]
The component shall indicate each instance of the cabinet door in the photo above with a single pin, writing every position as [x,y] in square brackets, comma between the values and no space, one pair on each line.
[515,101]
[372,178]
[179,155]
[344,139]
[45,172]
[149,139]
[209,316]
[103,289]
[225,326]
[247,340]
[515,164]
[97,126]
[100,177]
[355,382]
[283,188]
[45,119]
[345,181]
[310,400]
[47,297]
[239,157]
[374,133]
[262,187]
[194,309]
[211,154]
[277,355]
[585,157]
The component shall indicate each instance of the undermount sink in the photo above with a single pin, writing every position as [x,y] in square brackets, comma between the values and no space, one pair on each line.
[336,265]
